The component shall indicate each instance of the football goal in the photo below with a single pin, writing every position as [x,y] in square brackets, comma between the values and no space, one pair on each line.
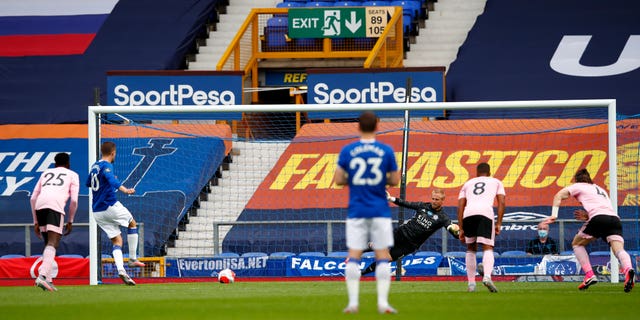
[257,179]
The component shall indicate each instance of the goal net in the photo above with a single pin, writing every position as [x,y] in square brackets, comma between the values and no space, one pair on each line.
[259,182]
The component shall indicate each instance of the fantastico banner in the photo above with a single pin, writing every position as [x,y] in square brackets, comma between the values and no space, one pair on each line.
[533,167]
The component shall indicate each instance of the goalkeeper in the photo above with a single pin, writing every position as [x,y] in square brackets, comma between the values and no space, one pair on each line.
[429,218]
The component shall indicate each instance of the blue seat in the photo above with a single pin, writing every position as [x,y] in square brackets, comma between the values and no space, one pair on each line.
[456,254]
[600,253]
[479,254]
[226,255]
[427,253]
[376,3]
[254,254]
[106,256]
[318,4]
[290,4]
[311,254]
[11,256]
[566,253]
[513,253]
[347,3]
[338,254]
[275,34]
[281,254]
[369,254]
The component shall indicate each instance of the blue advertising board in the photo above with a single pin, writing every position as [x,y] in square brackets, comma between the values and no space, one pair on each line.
[159,88]
[333,266]
[343,86]
[164,171]
[209,267]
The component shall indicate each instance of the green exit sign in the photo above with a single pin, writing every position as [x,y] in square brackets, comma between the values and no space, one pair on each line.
[327,23]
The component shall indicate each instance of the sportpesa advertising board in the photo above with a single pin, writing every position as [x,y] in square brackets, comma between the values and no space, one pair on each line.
[338,86]
[161,88]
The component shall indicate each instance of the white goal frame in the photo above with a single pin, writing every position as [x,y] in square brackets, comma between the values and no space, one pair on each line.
[94,113]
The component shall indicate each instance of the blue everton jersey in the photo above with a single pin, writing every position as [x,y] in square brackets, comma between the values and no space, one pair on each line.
[367,162]
[103,185]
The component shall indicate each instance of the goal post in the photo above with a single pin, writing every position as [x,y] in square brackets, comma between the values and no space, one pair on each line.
[163,127]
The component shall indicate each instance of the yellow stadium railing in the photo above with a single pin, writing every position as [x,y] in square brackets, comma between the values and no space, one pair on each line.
[248,49]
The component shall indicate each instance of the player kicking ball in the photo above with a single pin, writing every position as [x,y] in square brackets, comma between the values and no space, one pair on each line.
[109,213]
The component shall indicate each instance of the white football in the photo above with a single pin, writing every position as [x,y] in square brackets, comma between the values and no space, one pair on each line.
[226,276]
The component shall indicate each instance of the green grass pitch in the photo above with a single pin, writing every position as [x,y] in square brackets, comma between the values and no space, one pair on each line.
[320,300]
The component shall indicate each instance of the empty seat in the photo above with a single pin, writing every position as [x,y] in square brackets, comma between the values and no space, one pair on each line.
[456,254]
[339,254]
[513,253]
[428,253]
[600,253]
[369,254]
[319,4]
[311,254]
[281,254]
[275,34]
[566,253]
[11,256]
[254,254]
[226,255]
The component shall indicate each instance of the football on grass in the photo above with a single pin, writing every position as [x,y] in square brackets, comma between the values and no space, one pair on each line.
[226,276]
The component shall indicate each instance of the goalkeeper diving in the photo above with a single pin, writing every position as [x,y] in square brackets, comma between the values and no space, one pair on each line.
[429,218]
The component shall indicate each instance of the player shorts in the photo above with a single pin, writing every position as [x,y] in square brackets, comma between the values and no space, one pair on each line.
[50,220]
[362,230]
[111,219]
[605,227]
[478,229]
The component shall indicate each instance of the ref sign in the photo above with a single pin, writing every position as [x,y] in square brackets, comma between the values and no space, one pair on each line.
[356,22]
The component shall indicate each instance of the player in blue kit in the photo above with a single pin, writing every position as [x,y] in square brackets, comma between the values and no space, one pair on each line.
[367,167]
[109,213]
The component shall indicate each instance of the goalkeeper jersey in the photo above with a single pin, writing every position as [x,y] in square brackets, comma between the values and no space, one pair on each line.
[423,224]
[103,185]
[367,163]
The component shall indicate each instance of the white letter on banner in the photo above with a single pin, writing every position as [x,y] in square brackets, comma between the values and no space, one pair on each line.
[337,96]
[227,97]
[121,92]
[353,96]
[185,91]
[321,96]
[295,262]
[566,59]
[386,89]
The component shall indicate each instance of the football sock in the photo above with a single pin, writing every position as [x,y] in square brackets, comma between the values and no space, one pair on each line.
[48,255]
[625,260]
[488,261]
[583,259]
[383,282]
[470,260]
[352,278]
[132,239]
[117,257]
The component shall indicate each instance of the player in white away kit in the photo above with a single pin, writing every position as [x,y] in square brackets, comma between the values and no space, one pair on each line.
[477,222]
[49,197]
[109,213]
[368,166]
[601,222]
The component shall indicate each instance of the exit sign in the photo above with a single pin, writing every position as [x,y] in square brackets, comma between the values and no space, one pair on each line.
[356,22]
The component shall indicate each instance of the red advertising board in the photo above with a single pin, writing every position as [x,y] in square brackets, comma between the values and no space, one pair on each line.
[444,154]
